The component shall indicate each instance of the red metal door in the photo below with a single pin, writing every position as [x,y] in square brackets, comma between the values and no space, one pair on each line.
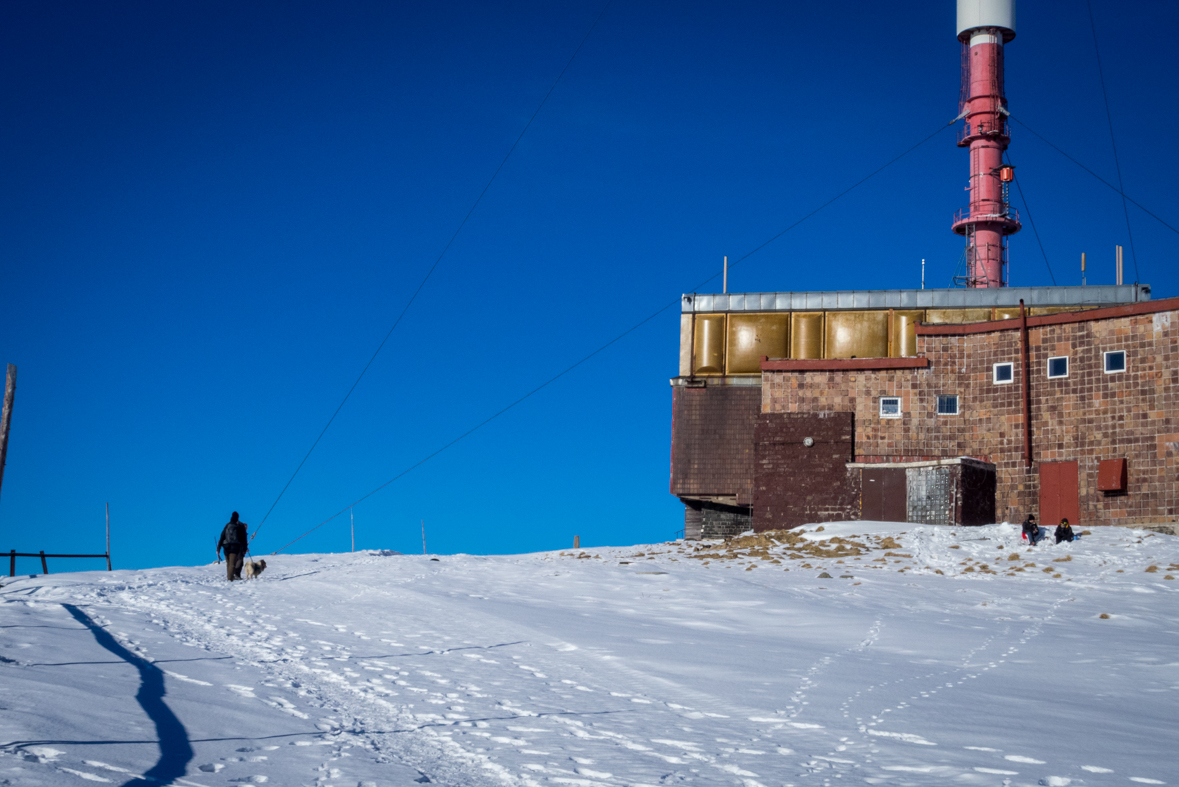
[1059,493]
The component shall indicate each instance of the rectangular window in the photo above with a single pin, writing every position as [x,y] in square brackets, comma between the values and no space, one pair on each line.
[1004,373]
[1058,367]
[947,404]
[1115,361]
[890,407]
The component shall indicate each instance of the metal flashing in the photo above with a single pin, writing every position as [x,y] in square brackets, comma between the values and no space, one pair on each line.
[749,380]
[958,460]
[955,298]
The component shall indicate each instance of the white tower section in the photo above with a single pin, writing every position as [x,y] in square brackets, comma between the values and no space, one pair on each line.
[996,14]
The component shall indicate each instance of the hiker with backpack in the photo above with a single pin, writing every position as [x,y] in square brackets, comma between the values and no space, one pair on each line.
[235,542]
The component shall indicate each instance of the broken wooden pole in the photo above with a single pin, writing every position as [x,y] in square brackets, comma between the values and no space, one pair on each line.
[44,565]
[6,418]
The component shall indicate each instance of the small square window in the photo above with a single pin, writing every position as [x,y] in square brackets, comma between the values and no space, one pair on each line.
[890,407]
[947,404]
[1004,373]
[1058,367]
[1115,361]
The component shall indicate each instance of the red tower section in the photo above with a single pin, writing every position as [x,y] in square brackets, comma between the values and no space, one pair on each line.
[984,26]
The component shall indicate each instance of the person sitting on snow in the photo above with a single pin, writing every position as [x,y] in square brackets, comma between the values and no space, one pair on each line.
[1033,532]
[1064,531]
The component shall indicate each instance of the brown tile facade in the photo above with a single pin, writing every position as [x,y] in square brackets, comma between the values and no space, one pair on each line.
[1086,417]
[712,441]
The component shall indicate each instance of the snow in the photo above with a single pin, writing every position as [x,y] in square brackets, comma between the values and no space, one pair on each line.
[857,652]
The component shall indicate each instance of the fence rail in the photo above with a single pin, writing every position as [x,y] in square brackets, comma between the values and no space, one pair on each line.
[13,555]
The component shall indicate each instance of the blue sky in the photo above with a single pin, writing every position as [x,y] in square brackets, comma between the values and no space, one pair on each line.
[213,212]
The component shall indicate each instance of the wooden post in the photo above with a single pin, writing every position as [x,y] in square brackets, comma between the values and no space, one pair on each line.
[108,536]
[577,542]
[352,523]
[423,536]
[1082,269]
[6,418]
[12,563]
[44,565]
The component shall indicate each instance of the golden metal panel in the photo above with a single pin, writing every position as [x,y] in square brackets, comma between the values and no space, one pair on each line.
[806,335]
[904,333]
[685,345]
[857,334]
[1037,311]
[710,344]
[753,335]
[1006,313]
[956,316]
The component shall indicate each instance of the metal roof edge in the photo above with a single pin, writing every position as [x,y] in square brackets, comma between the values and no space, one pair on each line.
[953,298]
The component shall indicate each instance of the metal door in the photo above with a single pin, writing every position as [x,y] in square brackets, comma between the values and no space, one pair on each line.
[883,497]
[1059,496]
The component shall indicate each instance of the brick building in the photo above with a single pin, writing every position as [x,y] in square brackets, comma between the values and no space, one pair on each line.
[939,406]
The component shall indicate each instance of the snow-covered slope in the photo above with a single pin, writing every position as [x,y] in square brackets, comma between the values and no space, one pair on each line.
[942,656]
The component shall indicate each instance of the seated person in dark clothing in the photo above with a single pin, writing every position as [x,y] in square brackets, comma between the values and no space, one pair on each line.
[1031,531]
[1064,532]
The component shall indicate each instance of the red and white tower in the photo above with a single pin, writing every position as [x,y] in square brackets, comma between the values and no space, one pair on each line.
[984,26]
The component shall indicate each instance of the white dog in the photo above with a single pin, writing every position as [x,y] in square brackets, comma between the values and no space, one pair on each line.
[253,568]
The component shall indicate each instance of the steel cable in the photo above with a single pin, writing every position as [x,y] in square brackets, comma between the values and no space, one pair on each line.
[1031,221]
[1116,190]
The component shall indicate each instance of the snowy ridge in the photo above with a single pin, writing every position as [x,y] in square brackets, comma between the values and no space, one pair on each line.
[860,652]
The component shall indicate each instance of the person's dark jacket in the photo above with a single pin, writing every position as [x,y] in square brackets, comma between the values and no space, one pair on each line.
[233,538]
[1064,533]
[1031,530]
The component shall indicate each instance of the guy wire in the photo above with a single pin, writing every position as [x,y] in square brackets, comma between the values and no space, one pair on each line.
[433,267]
[1112,142]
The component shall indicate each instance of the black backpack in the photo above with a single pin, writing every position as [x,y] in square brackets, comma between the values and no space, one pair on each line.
[230,537]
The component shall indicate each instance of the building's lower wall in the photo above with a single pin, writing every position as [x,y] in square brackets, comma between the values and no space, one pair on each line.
[793,483]
[1087,417]
[713,520]
[954,492]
